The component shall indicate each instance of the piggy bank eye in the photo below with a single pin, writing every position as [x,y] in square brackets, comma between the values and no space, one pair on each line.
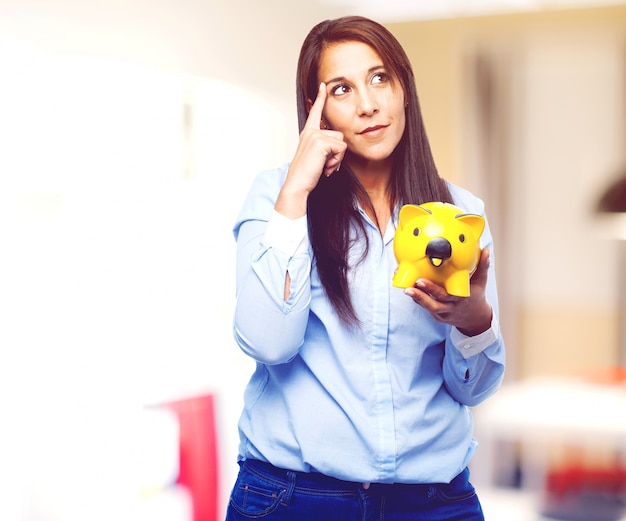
[416,232]
[462,238]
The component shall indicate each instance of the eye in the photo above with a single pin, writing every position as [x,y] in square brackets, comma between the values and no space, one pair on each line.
[462,238]
[416,232]
[340,89]
[380,77]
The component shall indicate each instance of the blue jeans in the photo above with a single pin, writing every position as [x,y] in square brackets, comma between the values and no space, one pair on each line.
[265,492]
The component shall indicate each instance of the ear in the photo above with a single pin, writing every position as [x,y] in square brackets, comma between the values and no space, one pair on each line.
[475,222]
[410,211]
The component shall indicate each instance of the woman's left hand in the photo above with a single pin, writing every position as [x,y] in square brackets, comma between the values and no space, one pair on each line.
[470,315]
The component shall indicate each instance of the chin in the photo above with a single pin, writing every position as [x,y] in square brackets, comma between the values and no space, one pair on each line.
[379,157]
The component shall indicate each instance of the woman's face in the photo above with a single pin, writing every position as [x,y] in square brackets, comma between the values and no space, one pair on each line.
[362,101]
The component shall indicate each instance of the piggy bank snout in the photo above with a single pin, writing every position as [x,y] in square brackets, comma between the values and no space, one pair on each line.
[438,251]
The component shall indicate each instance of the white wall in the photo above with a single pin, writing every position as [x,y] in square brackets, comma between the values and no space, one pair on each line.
[574,137]
[117,270]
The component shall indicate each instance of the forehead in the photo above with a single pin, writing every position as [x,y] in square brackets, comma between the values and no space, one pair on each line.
[347,59]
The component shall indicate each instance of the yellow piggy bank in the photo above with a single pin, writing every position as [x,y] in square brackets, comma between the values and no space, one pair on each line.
[437,241]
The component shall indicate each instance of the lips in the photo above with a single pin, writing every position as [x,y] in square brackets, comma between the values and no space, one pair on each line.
[373,130]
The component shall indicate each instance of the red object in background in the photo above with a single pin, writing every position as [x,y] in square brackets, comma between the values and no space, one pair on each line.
[199,469]
[575,479]
[579,493]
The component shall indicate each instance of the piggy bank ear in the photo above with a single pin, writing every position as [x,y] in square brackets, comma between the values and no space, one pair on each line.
[475,222]
[411,211]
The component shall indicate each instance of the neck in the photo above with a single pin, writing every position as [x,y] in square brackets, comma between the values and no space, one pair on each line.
[375,178]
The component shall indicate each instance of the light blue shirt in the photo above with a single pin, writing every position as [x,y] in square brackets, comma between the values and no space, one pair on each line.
[384,402]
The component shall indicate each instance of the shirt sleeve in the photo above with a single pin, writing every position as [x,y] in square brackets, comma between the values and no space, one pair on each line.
[267,327]
[474,366]
[289,236]
[469,346]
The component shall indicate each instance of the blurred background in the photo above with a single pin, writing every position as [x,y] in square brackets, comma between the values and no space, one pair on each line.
[129,133]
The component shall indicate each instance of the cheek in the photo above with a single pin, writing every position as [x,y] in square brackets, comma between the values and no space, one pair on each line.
[335,118]
[400,123]
[400,111]
[396,110]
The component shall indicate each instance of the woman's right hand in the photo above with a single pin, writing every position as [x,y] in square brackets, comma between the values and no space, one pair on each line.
[320,151]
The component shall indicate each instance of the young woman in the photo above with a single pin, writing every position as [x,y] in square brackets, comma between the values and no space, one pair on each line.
[359,405]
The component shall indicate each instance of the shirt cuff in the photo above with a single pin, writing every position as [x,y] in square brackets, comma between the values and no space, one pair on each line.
[473,345]
[289,236]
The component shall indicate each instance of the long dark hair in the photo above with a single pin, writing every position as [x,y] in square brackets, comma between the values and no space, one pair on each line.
[331,205]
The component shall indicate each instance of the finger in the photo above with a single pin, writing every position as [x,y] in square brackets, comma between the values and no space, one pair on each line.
[434,291]
[485,254]
[483,266]
[315,114]
[333,164]
[439,310]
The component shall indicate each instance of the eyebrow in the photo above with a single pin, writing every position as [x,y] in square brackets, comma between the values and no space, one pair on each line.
[343,78]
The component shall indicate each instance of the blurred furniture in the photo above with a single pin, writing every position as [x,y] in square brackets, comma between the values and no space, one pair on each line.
[540,414]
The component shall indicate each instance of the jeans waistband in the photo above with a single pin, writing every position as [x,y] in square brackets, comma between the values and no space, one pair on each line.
[317,480]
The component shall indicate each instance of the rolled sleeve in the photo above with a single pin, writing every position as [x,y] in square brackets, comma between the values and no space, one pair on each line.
[469,346]
[289,236]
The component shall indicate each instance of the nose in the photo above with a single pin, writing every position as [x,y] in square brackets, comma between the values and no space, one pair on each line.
[438,251]
[368,104]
